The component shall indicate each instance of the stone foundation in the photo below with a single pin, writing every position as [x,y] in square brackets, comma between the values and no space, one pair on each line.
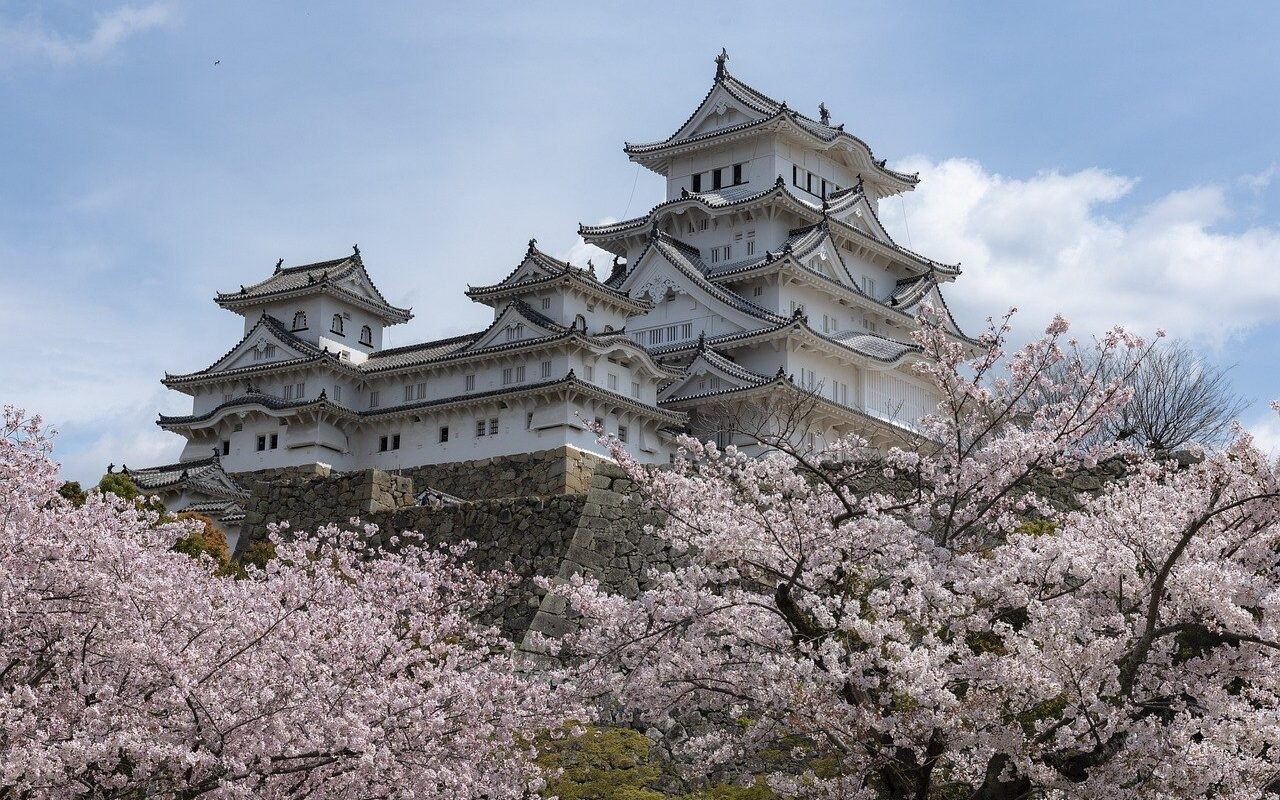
[528,535]
[563,470]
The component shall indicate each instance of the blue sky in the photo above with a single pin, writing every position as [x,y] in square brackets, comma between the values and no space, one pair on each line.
[1112,162]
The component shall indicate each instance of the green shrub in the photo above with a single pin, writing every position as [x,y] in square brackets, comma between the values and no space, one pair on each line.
[601,764]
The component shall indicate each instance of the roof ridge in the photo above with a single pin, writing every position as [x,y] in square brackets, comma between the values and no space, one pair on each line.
[404,348]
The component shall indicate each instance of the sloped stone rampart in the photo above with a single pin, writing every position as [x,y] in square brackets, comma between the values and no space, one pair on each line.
[598,529]
[528,534]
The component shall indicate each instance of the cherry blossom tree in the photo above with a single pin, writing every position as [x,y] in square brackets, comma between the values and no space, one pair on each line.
[924,624]
[128,670]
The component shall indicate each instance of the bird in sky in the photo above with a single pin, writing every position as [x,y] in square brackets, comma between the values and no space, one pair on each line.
[216,63]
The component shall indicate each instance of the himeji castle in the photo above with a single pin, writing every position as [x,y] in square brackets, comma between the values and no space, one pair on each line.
[764,277]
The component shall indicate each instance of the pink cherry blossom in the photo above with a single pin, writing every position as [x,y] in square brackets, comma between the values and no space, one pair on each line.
[128,670]
[934,628]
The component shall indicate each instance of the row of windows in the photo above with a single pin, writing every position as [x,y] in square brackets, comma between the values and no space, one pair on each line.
[838,390]
[418,391]
[295,391]
[489,427]
[831,324]
[670,333]
[813,184]
[718,178]
[266,351]
[337,325]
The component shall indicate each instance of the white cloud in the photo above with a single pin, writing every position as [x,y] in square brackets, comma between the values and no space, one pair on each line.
[29,38]
[1259,182]
[127,437]
[580,253]
[1266,434]
[1053,243]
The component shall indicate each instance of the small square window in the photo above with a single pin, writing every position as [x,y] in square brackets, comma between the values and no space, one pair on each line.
[444,433]
[275,440]
[374,397]
[479,427]
[493,426]
[635,388]
[226,447]
[613,381]
[382,444]
[546,369]
[528,420]
[622,433]
[395,442]
[590,372]
[546,303]
[520,374]
[716,178]
[471,383]
[737,174]
[262,443]
[696,182]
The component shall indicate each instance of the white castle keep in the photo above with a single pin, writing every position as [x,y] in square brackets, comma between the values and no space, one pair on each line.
[764,275]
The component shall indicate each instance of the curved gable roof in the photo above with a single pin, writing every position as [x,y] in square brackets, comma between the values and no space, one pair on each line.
[322,276]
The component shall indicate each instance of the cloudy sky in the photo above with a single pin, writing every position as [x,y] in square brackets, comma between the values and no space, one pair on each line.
[1115,163]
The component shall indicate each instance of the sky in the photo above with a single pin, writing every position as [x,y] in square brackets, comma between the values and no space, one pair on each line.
[1115,163]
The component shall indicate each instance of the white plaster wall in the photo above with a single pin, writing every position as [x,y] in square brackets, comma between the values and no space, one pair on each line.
[754,154]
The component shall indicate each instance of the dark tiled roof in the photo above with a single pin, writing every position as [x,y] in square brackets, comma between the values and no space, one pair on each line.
[552,265]
[443,355]
[712,200]
[778,190]
[568,380]
[417,353]
[587,282]
[726,364]
[874,346]
[252,399]
[772,111]
[908,291]
[877,348]
[309,353]
[317,276]
[686,259]
[204,475]
[220,510]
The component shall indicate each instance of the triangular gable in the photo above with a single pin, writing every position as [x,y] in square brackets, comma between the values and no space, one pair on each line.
[658,278]
[720,109]
[531,269]
[254,350]
[824,258]
[934,298]
[516,323]
[711,372]
[862,216]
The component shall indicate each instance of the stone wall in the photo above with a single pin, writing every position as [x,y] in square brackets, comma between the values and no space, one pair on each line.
[530,534]
[563,470]
[609,544]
